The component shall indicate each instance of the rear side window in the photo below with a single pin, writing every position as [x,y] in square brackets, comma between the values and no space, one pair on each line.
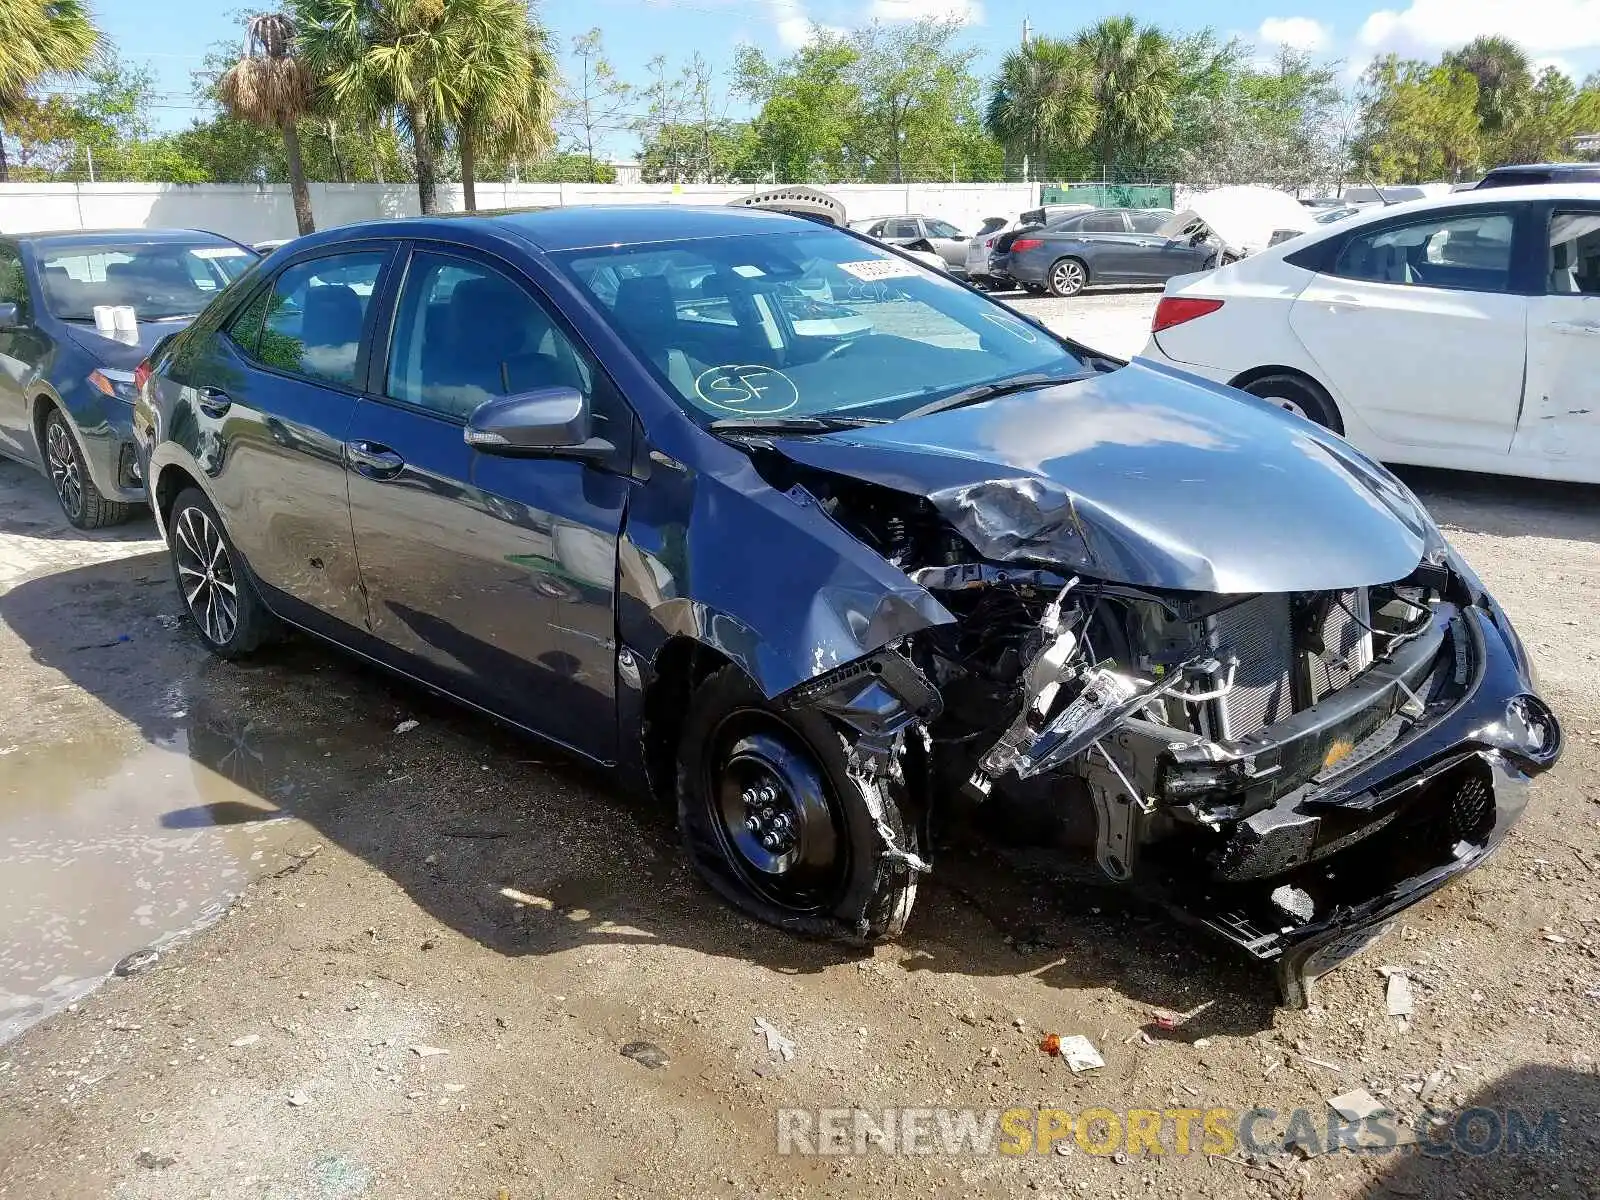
[900,229]
[310,321]
[1469,251]
[1105,222]
[1514,179]
[1148,222]
[991,225]
[1575,253]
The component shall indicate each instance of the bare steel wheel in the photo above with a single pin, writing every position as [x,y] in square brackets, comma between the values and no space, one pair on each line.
[781,825]
[80,499]
[214,581]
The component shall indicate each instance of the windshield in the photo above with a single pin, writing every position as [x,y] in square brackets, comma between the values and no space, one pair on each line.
[159,279]
[807,324]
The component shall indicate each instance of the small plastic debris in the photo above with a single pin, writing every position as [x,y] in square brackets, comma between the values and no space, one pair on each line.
[426,1051]
[646,1054]
[1080,1054]
[407,725]
[1554,938]
[1357,1105]
[298,1099]
[1430,1085]
[153,1163]
[136,963]
[1201,1043]
[455,1087]
[1051,1044]
[1294,902]
[1398,995]
[249,1039]
[777,1043]
[1166,1020]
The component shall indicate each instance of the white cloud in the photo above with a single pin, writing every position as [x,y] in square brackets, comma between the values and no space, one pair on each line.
[968,12]
[1429,26]
[1559,63]
[1299,33]
[789,18]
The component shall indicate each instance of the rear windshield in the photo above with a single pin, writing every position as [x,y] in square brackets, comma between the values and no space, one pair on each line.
[990,224]
[158,279]
[806,324]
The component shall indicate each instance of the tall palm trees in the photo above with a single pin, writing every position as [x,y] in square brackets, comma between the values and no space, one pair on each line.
[480,69]
[40,38]
[1109,91]
[269,86]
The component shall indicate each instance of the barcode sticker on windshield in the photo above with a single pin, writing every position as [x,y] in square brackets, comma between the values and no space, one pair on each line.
[874,269]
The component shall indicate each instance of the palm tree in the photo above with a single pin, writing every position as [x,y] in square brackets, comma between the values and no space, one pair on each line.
[507,91]
[1136,74]
[478,68]
[40,38]
[269,86]
[1042,103]
[1504,78]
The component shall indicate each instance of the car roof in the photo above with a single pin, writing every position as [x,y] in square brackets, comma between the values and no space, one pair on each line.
[1566,168]
[1472,199]
[111,237]
[577,227]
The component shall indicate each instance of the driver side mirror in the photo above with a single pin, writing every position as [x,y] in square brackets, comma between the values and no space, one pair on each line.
[551,422]
[9,316]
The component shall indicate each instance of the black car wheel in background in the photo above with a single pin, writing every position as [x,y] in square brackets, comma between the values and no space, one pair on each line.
[75,488]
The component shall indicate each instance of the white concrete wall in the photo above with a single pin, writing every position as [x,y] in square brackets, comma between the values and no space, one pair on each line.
[253,214]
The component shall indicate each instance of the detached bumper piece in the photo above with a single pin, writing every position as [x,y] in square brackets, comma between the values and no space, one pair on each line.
[1416,799]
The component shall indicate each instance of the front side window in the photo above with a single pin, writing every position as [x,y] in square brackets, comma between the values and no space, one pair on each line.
[466,333]
[900,229]
[313,317]
[1575,253]
[943,229]
[1463,250]
[806,323]
[159,280]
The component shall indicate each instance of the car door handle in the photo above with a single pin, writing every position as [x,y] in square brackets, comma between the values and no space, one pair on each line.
[373,460]
[213,401]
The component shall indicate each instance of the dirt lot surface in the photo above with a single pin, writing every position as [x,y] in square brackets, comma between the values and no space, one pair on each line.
[435,944]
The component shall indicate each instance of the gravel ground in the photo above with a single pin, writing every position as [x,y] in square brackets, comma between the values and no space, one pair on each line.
[447,939]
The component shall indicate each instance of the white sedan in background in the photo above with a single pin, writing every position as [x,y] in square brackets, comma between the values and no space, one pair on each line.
[1459,332]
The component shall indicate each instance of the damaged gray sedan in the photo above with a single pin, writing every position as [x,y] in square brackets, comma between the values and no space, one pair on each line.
[823,544]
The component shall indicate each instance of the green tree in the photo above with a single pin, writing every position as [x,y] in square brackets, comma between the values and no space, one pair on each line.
[1418,122]
[595,103]
[1135,73]
[269,86]
[806,108]
[40,38]
[916,92]
[1041,106]
[505,90]
[1544,121]
[1504,80]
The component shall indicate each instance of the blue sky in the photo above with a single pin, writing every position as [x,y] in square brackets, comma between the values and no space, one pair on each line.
[172,37]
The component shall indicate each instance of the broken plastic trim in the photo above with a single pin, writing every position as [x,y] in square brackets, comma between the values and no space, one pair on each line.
[879,697]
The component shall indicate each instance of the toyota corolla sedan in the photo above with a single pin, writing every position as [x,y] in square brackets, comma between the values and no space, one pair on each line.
[66,384]
[606,475]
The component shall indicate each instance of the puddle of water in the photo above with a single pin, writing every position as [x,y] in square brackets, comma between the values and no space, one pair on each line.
[109,843]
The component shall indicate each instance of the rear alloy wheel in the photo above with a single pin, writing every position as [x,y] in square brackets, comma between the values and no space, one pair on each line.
[81,501]
[779,826]
[215,585]
[1068,277]
[1299,395]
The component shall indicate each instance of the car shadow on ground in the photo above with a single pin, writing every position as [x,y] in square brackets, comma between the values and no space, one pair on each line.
[31,510]
[510,843]
[1533,1132]
[1506,506]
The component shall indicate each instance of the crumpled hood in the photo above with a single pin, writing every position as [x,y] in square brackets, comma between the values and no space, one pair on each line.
[1244,218]
[1145,477]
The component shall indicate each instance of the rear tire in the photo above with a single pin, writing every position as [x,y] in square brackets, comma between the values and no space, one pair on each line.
[1299,395]
[214,581]
[82,502]
[774,820]
[1067,277]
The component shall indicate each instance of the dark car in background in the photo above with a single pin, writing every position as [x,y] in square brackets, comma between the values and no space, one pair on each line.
[1106,245]
[1536,173]
[67,389]
[829,581]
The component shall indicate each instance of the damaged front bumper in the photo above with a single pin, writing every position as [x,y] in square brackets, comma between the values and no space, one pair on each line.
[1320,873]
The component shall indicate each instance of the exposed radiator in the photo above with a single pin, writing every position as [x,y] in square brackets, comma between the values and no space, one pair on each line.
[1271,670]
[1258,633]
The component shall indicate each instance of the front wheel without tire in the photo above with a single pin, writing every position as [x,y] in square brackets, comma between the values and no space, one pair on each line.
[1296,394]
[213,580]
[780,827]
[82,502]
